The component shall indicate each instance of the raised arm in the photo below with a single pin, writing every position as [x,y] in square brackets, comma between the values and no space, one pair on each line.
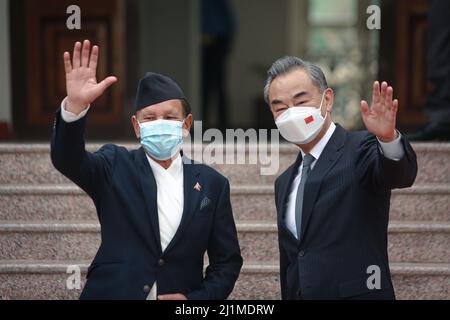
[68,152]
[386,159]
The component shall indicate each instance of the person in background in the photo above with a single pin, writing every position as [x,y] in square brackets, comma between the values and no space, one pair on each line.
[438,74]
[218,28]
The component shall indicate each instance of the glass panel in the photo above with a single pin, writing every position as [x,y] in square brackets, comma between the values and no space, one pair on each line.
[339,42]
[332,12]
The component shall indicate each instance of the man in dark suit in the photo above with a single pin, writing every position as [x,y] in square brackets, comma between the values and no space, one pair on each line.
[333,202]
[437,108]
[159,213]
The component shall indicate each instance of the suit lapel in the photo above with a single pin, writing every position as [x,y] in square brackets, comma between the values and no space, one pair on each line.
[149,189]
[191,198]
[328,158]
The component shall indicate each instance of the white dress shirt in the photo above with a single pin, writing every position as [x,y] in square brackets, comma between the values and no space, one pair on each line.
[170,193]
[170,200]
[68,116]
[392,150]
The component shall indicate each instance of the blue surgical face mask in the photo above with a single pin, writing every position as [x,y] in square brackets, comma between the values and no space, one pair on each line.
[162,139]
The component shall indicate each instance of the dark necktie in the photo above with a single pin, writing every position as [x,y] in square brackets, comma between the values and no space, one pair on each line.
[307,160]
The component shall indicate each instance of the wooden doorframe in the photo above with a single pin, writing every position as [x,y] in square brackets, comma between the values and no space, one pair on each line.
[399,63]
[105,121]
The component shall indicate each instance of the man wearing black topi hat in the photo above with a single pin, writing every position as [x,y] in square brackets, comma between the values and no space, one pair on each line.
[158,213]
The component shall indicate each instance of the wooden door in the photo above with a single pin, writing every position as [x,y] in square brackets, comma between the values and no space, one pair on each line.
[40,37]
[409,65]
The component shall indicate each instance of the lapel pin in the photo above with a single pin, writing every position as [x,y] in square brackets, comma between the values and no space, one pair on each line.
[198,187]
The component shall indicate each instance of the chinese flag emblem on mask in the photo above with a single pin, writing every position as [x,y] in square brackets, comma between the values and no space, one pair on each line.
[309,119]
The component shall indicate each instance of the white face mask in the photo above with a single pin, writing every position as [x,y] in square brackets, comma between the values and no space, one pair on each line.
[300,125]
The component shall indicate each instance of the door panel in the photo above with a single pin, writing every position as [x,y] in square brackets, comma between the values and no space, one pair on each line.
[410,60]
[46,37]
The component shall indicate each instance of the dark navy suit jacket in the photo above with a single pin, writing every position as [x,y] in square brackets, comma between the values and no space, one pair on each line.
[130,258]
[344,222]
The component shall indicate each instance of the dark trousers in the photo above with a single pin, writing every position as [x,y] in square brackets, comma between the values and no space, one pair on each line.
[214,80]
[438,62]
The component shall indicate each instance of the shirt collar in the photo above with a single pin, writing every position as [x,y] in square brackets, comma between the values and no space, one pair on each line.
[175,169]
[317,150]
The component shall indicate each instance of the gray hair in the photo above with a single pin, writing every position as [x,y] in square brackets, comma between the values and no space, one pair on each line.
[287,64]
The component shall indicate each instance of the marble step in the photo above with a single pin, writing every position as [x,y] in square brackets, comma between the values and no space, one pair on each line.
[30,164]
[68,202]
[408,241]
[46,280]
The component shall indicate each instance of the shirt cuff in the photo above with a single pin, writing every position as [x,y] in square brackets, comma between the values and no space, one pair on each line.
[393,150]
[68,116]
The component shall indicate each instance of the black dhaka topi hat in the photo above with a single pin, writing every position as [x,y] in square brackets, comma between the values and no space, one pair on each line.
[155,88]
